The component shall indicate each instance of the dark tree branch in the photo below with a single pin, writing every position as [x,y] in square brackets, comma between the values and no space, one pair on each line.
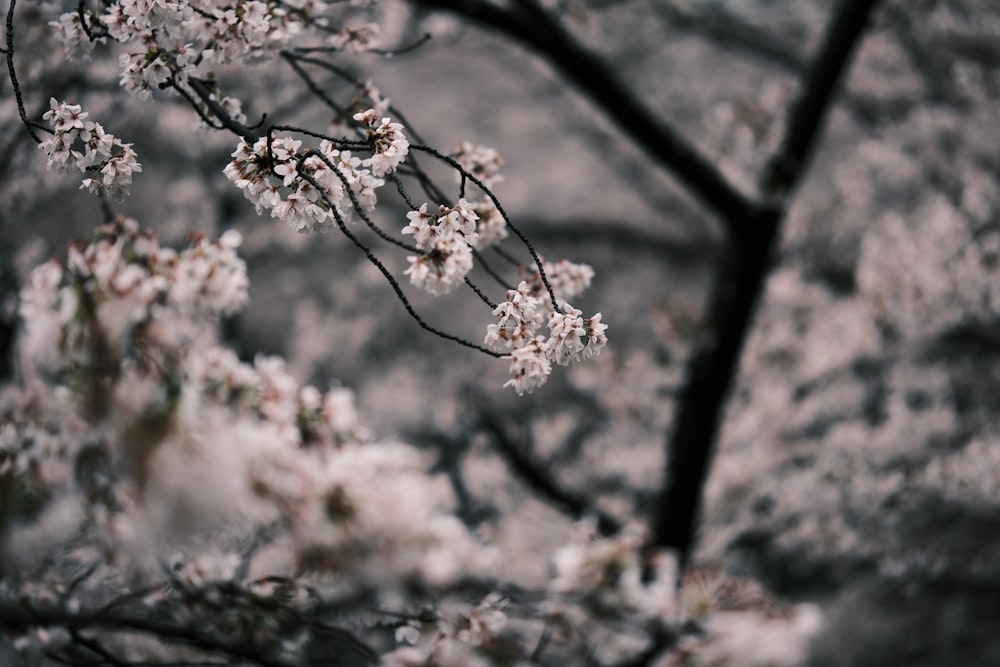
[14,618]
[728,31]
[819,84]
[538,478]
[533,27]
[743,270]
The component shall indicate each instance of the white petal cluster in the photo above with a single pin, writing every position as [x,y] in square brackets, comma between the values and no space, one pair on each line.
[571,337]
[389,144]
[356,38]
[481,161]
[529,366]
[491,228]
[123,284]
[518,316]
[442,267]
[266,392]
[567,279]
[81,145]
[202,439]
[70,33]
[445,239]
[299,186]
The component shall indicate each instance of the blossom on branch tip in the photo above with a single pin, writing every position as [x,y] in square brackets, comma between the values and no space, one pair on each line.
[443,267]
[429,228]
[518,316]
[573,337]
[529,366]
[482,162]
[389,144]
[565,343]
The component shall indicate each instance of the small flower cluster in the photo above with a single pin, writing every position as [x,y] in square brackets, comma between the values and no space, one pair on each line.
[491,228]
[481,161]
[149,70]
[445,238]
[214,32]
[266,392]
[169,44]
[312,188]
[389,144]
[571,337]
[357,38]
[484,163]
[103,154]
[607,571]
[69,31]
[568,280]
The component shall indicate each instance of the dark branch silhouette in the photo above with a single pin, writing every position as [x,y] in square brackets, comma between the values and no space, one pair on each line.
[532,26]
[742,271]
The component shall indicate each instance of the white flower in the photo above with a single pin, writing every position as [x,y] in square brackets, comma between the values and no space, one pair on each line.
[296,199]
[482,162]
[421,226]
[103,153]
[356,38]
[491,228]
[529,366]
[596,340]
[443,267]
[566,333]
[517,318]
[338,411]
[389,144]
[69,31]
[430,228]
[567,278]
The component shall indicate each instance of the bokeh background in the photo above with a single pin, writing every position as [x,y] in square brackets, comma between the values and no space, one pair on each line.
[859,464]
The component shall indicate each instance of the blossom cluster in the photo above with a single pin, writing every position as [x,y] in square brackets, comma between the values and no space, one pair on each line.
[122,285]
[445,238]
[119,332]
[81,145]
[482,162]
[208,31]
[313,189]
[388,143]
[571,337]
[193,443]
[356,38]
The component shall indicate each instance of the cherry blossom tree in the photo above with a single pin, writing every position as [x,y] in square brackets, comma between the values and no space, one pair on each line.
[167,502]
